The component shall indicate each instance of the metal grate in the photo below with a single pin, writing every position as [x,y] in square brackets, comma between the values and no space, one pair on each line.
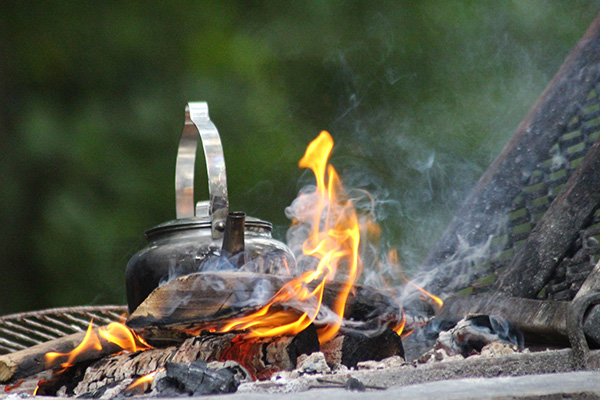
[23,330]
[543,186]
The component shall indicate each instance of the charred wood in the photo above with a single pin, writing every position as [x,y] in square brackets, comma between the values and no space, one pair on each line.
[261,357]
[198,301]
[32,360]
[349,348]
[195,379]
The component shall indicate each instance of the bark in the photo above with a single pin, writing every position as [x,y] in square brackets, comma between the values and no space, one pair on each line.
[30,361]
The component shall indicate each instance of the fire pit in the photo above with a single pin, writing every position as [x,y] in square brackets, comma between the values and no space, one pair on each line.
[215,305]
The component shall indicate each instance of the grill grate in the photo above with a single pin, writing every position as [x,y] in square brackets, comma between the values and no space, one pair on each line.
[23,330]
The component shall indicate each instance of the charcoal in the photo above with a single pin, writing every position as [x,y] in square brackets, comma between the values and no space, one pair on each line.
[360,347]
[195,379]
[471,334]
[242,374]
[354,384]
[63,382]
[305,342]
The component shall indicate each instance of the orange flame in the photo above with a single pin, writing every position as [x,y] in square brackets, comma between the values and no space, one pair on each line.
[141,384]
[393,259]
[334,241]
[434,298]
[399,328]
[115,333]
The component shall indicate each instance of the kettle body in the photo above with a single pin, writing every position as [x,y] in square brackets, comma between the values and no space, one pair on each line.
[181,247]
[204,237]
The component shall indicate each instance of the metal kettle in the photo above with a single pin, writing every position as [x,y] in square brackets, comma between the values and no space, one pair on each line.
[205,236]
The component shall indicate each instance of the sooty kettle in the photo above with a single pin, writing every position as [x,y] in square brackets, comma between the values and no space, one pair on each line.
[205,236]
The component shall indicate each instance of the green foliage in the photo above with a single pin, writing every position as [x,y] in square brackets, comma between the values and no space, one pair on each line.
[419,96]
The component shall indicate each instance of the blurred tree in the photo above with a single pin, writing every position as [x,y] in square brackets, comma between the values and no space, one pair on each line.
[420,96]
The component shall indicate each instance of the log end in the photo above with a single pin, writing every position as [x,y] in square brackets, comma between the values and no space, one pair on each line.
[7,368]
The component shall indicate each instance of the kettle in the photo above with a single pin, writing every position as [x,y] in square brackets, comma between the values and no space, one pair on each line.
[205,236]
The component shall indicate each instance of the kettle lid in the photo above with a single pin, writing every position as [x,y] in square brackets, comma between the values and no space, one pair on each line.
[184,224]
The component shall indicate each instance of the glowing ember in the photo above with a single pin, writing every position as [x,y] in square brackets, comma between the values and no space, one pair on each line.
[142,384]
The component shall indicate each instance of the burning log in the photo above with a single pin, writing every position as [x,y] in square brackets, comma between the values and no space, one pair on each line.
[62,353]
[199,301]
[532,266]
[32,360]
[261,357]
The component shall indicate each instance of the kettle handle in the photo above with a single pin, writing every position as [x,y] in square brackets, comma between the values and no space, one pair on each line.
[198,125]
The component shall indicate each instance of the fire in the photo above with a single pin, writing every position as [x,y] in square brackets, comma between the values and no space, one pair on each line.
[141,385]
[115,333]
[399,328]
[333,241]
[439,302]
[393,260]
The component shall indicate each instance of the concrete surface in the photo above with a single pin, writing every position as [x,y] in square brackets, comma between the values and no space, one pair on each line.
[564,385]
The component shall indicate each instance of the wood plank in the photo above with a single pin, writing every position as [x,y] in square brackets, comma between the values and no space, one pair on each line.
[189,302]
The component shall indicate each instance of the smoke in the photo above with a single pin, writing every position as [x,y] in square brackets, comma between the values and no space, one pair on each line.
[412,141]
[424,106]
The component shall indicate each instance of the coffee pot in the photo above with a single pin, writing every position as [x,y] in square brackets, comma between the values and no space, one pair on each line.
[205,236]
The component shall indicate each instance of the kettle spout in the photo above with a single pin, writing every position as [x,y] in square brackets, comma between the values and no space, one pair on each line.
[233,238]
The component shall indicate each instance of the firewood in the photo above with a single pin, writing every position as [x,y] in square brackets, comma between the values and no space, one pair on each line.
[189,302]
[350,347]
[532,266]
[31,361]
[133,365]
[260,356]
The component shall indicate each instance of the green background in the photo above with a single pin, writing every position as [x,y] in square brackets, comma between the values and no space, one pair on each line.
[419,97]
